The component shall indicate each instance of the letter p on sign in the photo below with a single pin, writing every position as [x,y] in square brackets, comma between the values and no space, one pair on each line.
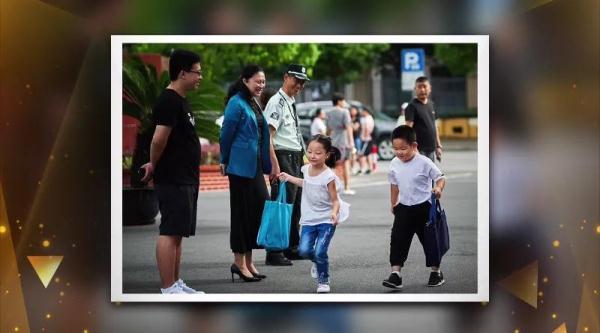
[411,61]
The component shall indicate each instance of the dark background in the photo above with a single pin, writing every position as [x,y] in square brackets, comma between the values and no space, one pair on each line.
[544,186]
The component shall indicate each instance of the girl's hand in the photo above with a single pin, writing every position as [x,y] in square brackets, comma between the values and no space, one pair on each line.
[274,173]
[438,192]
[335,218]
[283,176]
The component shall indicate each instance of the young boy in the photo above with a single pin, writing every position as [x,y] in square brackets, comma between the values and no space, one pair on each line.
[411,175]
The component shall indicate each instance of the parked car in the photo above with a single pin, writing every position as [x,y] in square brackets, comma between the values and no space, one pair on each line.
[384,124]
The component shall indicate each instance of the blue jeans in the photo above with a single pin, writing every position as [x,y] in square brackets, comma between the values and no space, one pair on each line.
[358,143]
[314,242]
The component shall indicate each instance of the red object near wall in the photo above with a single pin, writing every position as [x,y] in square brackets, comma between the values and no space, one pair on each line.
[130,131]
[158,61]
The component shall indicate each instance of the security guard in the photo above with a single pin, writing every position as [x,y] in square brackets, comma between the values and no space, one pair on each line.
[287,151]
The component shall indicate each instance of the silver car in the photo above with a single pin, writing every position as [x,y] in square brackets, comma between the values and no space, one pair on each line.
[384,124]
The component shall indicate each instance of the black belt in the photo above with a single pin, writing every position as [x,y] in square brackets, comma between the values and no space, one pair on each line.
[285,151]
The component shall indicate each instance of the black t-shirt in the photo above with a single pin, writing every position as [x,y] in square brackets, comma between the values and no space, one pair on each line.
[180,160]
[423,116]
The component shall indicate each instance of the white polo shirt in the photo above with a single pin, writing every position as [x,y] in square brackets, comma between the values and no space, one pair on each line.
[280,114]
[413,179]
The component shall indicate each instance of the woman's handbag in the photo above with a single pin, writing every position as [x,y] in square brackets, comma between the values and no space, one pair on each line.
[274,231]
[437,238]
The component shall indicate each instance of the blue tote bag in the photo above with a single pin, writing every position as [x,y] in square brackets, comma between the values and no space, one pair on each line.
[437,237]
[274,231]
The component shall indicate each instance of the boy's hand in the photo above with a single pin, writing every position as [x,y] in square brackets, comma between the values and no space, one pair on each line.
[392,209]
[437,192]
[334,218]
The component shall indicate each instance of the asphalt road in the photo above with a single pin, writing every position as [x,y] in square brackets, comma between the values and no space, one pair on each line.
[358,253]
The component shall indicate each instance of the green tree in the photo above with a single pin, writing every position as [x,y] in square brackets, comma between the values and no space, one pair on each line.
[461,59]
[344,63]
[223,62]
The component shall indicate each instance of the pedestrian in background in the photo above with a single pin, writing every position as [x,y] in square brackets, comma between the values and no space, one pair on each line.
[367,125]
[339,127]
[420,115]
[402,117]
[317,125]
[355,118]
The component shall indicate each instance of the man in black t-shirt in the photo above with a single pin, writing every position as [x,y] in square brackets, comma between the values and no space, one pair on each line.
[420,115]
[175,166]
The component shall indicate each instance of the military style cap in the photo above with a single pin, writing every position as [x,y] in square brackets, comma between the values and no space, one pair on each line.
[298,71]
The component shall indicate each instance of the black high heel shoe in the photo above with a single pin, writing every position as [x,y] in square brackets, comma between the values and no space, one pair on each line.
[258,276]
[236,270]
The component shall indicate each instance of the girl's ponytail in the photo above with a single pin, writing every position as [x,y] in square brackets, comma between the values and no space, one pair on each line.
[334,156]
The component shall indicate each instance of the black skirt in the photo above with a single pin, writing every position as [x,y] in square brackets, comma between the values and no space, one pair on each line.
[247,198]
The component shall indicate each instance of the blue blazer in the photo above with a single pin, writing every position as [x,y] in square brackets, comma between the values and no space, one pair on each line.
[239,139]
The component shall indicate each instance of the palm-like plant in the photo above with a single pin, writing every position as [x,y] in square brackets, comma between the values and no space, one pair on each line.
[141,88]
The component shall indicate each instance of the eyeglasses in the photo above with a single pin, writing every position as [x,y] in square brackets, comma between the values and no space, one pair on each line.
[197,72]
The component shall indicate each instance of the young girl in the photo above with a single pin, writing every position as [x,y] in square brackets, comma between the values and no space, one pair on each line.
[321,206]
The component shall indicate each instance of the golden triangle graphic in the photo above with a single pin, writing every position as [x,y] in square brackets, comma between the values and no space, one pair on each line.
[12,303]
[588,320]
[561,329]
[45,267]
[523,284]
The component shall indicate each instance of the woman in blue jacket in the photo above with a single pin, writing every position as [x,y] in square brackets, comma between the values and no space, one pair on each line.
[245,160]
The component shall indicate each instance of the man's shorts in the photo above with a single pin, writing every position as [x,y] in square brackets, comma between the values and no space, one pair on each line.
[178,205]
[366,148]
[345,152]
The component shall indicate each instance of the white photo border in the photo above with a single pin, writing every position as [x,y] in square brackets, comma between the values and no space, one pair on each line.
[483,169]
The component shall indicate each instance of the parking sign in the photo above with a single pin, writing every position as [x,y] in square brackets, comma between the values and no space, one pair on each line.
[412,66]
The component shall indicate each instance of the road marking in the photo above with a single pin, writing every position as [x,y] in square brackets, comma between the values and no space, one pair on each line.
[453,176]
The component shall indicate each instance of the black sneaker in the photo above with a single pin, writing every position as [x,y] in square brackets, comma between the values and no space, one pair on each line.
[277,259]
[394,281]
[293,255]
[436,279]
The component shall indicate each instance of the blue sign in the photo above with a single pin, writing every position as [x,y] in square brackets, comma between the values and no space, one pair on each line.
[413,60]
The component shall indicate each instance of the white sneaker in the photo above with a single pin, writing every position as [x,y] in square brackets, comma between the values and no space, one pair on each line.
[313,271]
[187,289]
[349,192]
[323,288]
[174,289]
